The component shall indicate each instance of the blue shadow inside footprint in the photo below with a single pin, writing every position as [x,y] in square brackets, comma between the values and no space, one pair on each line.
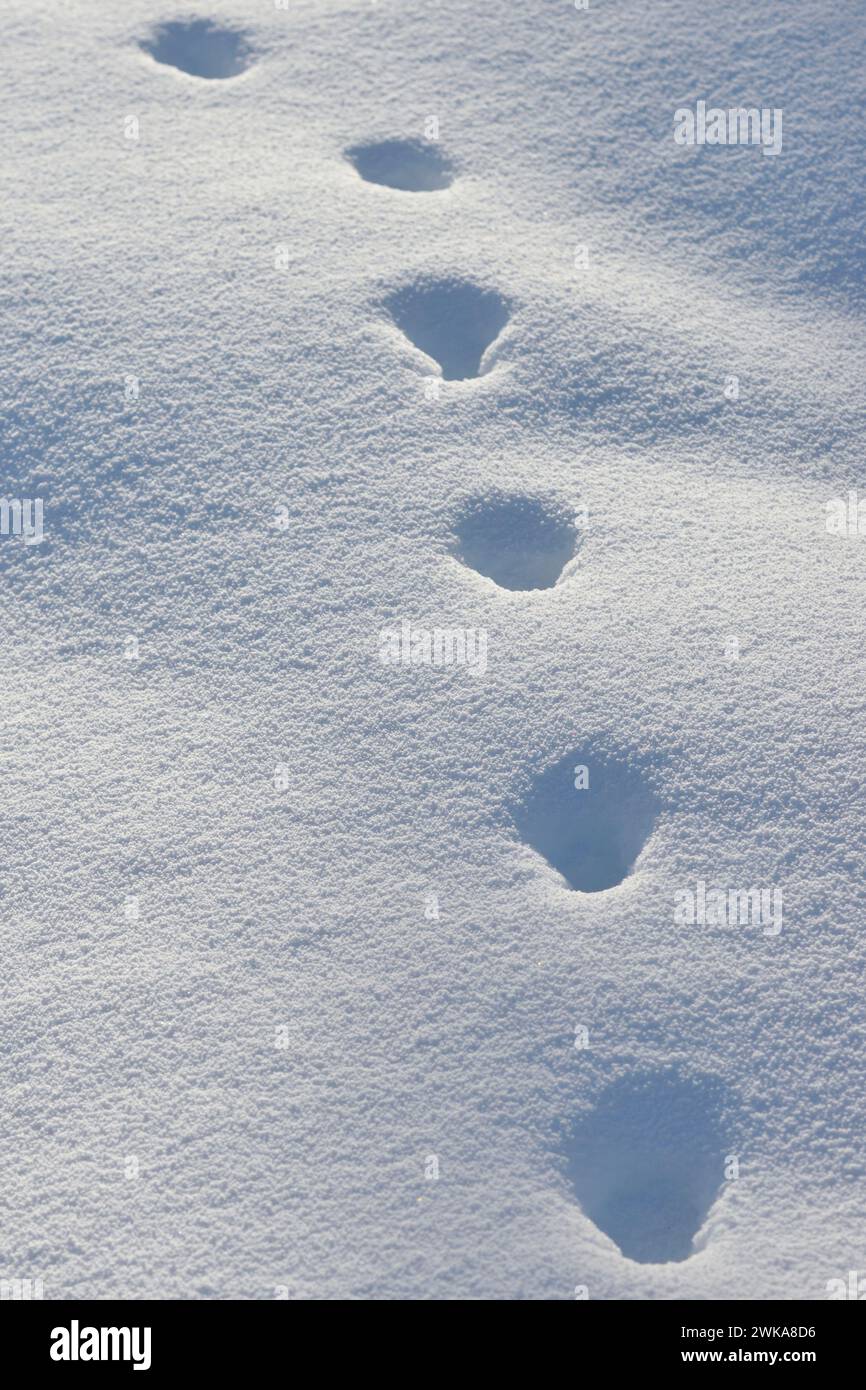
[647,1163]
[199,47]
[519,542]
[452,321]
[592,834]
[412,166]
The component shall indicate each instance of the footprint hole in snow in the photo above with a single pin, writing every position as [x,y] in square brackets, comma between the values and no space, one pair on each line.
[647,1163]
[199,47]
[452,321]
[413,166]
[589,819]
[519,542]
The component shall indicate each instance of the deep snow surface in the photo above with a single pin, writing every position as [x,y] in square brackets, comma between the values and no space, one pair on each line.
[290,930]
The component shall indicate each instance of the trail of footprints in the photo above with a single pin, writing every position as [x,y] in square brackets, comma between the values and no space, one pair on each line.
[645,1162]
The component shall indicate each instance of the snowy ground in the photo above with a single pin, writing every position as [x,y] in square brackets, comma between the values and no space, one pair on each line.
[295,998]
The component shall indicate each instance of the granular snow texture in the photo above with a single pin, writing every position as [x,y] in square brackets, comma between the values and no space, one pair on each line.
[325,974]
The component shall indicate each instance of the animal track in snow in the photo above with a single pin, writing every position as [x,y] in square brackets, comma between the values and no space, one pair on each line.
[199,47]
[413,166]
[517,541]
[590,820]
[452,321]
[648,1162]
